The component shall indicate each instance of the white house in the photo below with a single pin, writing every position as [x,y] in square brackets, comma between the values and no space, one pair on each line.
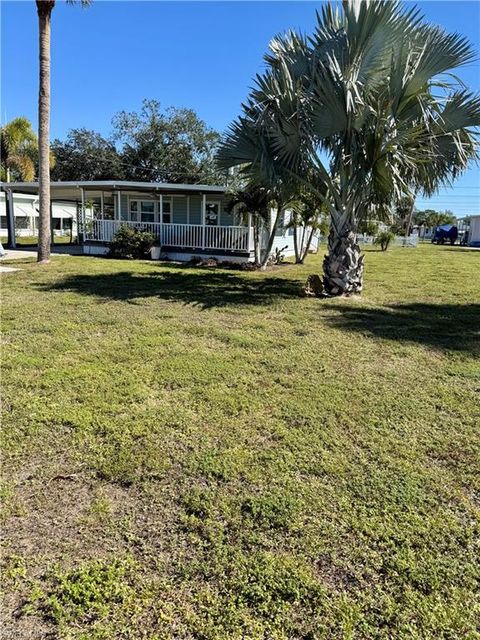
[64,216]
[474,232]
[187,220]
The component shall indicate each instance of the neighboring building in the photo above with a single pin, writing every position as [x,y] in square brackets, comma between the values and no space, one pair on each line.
[187,220]
[64,216]
[473,232]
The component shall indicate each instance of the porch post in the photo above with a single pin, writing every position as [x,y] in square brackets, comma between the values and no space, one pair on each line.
[204,210]
[119,206]
[118,199]
[12,241]
[161,218]
[82,216]
[32,218]
[52,230]
[249,235]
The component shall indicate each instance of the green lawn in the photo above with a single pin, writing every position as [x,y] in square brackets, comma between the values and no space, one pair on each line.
[207,454]
[32,240]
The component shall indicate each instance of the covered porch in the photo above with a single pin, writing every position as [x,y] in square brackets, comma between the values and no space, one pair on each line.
[176,236]
[183,218]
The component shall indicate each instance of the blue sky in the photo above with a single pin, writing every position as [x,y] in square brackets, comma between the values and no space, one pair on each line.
[201,55]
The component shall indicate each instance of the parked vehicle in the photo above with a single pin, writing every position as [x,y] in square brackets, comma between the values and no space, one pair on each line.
[445,233]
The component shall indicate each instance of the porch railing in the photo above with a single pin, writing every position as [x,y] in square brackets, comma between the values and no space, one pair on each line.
[186,236]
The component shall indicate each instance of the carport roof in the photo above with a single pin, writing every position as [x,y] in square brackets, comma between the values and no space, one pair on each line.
[117,185]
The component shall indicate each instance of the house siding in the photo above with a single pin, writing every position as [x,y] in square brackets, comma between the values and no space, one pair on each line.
[186,209]
[124,206]
[180,210]
[195,210]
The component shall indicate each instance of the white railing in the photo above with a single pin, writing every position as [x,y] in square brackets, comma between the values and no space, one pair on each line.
[226,238]
[188,236]
[409,241]
[398,241]
[103,230]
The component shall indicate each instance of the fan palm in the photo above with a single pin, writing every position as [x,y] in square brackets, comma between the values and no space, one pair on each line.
[246,146]
[366,107]
[44,11]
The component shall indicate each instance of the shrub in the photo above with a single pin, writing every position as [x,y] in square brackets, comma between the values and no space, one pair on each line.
[130,242]
[384,238]
[369,227]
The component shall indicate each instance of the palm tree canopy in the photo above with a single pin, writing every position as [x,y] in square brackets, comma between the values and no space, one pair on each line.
[19,148]
[367,105]
[253,200]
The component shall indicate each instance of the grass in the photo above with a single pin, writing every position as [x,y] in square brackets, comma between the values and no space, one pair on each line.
[32,240]
[207,454]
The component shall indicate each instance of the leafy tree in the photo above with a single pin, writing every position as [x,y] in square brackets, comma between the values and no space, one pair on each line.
[44,11]
[19,150]
[369,227]
[436,218]
[166,146]
[358,106]
[86,155]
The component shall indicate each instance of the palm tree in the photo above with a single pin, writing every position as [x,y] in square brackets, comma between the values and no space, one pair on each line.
[254,202]
[44,11]
[308,216]
[246,146]
[365,107]
[18,150]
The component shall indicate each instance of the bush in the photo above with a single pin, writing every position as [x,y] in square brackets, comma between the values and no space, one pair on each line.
[369,227]
[130,242]
[384,238]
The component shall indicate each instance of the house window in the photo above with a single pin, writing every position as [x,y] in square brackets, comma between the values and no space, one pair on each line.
[167,211]
[142,210]
[108,207]
[212,213]
[133,210]
[147,210]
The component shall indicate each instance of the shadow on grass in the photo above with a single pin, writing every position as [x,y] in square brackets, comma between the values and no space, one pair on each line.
[206,289]
[441,326]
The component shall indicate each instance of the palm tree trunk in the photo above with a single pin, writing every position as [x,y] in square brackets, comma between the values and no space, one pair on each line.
[302,252]
[256,240]
[409,222]
[44,10]
[271,238]
[295,245]
[343,266]
[307,246]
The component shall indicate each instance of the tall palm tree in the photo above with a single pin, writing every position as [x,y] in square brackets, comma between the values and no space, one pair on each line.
[367,106]
[18,150]
[44,11]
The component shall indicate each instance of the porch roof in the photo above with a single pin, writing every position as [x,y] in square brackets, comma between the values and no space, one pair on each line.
[113,185]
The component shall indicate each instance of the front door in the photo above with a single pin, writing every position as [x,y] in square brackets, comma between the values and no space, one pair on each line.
[212,214]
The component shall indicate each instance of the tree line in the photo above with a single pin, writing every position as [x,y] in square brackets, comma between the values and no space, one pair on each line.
[151,145]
